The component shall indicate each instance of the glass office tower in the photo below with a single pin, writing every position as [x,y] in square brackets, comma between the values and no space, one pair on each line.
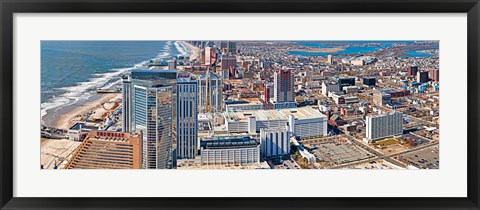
[151,110]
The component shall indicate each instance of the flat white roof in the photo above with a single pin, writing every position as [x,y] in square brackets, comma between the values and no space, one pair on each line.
[276,114]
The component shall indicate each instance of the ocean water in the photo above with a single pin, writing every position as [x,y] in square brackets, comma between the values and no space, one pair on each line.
[348,45]
[71,71]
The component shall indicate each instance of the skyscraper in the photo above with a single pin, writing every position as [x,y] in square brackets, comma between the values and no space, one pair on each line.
[422,76]
[330,59]
[283,88]
[232,47]
[172,64]
[229,64]
[210,55]
[275,142]
[187,116]
[223,44]
[153,116]
[149,95]
[384,125]
[435,75]
[412,71]
[126,101]
[210,97]
[267,92]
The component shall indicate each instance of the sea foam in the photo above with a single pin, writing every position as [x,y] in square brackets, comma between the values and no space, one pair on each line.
[84,90]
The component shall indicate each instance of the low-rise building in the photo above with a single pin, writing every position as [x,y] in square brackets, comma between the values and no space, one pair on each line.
[243,105]
[350,89]
[230,150]
[304,122]
[329,87]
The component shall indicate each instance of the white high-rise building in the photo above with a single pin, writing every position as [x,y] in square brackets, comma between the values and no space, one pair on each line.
[208,55]
[187,117]
[330,59]
[275,142]
[384,125]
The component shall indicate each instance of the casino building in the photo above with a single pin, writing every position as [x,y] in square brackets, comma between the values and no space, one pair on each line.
[304,122]
[108,150]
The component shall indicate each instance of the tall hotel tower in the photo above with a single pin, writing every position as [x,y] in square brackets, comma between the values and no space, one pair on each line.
[283,88]
[210,93]
[384,125]
[126,99]
[148,97]
[187,114]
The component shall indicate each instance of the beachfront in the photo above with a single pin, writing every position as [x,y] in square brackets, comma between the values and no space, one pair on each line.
[101,107]
[246,70]
[98,111]
[195,52]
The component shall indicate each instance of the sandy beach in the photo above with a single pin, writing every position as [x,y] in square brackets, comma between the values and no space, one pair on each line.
[56,152]
[68,119]
[194,50]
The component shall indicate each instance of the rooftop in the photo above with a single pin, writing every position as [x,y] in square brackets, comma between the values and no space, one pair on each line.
[227,142]
[243,101]
[307,112]
[107,150]
[212,76]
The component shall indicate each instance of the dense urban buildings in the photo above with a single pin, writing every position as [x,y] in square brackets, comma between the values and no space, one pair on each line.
[256,105]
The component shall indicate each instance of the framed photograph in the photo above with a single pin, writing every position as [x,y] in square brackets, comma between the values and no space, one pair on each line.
[239,105]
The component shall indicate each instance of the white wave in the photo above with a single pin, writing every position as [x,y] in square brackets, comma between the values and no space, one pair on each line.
[164,55]
[84,90]
[184,51]
[167,46]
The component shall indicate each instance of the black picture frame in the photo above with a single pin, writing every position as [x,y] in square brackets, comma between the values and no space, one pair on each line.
[9,7]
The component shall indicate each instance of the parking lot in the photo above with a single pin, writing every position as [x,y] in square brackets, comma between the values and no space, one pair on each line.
[286,164]
[427,158]
[374,164]
[337,153]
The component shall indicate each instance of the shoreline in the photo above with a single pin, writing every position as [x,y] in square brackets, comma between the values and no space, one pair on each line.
[64,116]
[195,51]
[67,119]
